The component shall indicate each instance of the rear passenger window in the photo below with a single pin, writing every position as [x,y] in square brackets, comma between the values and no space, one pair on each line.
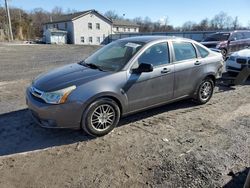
[237,36]
[184,51]
[203,52]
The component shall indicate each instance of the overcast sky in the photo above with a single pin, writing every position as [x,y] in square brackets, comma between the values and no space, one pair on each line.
[178,11]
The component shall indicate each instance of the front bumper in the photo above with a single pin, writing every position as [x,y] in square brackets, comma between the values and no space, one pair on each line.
[236,69]
[66,115]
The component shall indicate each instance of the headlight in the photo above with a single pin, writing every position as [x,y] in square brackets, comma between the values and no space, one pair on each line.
[57,97]
[232,58]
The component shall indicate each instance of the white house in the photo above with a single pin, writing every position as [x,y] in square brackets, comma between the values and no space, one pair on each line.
[88,27]
[124,26]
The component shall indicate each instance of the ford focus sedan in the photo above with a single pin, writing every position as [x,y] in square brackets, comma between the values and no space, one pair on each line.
[124,77]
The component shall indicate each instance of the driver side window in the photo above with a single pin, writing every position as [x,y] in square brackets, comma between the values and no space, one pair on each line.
[156,55]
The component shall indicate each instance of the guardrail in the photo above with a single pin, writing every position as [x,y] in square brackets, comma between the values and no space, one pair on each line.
[195,35]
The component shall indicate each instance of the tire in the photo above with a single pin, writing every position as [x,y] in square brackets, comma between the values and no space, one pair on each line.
[224,53]
[205,91]
[101,117]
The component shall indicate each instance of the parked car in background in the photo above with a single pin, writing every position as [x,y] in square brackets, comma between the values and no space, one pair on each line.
[238,61]
[124,77]
[228,42]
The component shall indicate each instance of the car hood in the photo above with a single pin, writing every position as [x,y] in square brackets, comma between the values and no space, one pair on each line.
[215,44]
[242,53]
[73,74]
[210,42]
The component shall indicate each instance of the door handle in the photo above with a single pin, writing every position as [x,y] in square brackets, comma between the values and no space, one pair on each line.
[197,63]
[165,70]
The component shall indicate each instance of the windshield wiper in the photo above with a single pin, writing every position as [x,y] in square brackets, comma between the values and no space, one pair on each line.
[94,66]
[91,65]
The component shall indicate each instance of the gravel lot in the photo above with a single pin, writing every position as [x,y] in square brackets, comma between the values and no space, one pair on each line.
[178,145]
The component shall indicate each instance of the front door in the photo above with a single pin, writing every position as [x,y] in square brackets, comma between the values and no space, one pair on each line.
[151,88]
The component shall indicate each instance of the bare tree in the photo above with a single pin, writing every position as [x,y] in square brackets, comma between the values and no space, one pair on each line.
[71,11]
[56,12]
[236,24]
[39,17]
[138,20]
[222,21]
[111,14]
[188,26]
[204,25]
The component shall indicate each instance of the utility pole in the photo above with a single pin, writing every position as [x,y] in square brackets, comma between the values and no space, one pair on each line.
[9,20]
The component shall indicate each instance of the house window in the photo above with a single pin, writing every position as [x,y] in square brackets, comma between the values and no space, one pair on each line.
[128,29]
[90,25]
[90,39]
[82,39]
[117,28]
[124,29]
[66,25]
[135,29]
[98,26]
[98,39]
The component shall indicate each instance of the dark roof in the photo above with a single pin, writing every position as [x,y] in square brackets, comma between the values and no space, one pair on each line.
[234,31]
[124,23]
[73,16]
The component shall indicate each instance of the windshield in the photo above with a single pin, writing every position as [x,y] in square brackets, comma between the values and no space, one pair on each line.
[114,56]
[217,37]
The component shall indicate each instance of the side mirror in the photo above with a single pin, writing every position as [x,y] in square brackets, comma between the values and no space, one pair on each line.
[144,67]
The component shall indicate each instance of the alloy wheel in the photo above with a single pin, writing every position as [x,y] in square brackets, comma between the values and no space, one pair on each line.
[206,90]
[103,117]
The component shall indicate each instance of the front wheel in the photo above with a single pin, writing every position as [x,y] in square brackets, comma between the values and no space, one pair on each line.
[205,91]
[101,117]
[224,53]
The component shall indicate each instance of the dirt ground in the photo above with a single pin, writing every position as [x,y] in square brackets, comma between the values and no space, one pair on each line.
[178,145]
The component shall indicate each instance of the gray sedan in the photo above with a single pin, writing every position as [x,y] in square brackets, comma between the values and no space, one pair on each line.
[124,77]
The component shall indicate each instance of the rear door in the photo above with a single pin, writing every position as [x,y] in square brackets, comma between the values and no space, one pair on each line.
[236,42]
[189,68]
[151,88]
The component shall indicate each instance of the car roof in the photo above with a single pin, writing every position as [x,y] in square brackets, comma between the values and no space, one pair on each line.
[235,31]
[150,38]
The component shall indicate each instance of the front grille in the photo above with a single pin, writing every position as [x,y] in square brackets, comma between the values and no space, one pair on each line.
[233,68]
[37,99]
[241,61]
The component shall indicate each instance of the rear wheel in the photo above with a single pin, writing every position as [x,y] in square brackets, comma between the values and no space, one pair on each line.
[205,91]
[101,117]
